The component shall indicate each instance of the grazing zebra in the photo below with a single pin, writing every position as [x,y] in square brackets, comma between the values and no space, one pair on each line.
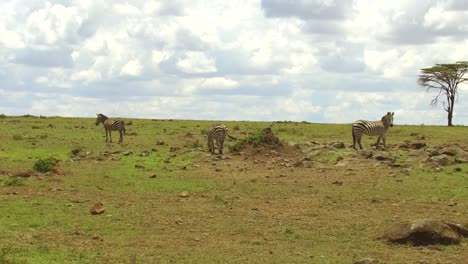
[109,125]
[372,128]
[217,132]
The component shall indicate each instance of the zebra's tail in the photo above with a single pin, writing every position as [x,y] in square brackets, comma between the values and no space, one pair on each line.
[231,137]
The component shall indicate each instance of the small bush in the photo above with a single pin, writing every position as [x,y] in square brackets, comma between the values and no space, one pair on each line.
[235,147]
[257,138]
[236,127]
[35,127]
[13,181]
[28,115]
[2,116]
[44,165]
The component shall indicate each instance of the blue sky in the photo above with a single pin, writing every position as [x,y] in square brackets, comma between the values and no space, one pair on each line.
[314,60]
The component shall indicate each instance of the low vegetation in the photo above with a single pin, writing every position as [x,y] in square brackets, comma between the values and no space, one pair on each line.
[165,199]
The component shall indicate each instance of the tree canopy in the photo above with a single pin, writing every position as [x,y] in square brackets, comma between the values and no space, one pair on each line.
[445,79]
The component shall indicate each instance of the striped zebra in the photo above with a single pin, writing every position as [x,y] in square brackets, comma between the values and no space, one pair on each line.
[218,133]
[372,128]
[110,125]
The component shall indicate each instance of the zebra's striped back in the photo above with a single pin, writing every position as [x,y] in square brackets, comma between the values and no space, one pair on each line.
[110,125]
[218,133]
[372,128]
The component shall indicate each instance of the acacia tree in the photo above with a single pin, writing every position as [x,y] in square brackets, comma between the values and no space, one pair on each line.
[444,78]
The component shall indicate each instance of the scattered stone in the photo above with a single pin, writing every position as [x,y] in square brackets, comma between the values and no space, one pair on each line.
[338,145]
[24,174]
[133,133]
[418,145]
[382,156]
[127,153]
[98,208]
[152,176]
[160,143]
[426,232]
[144,154]
[172,149]
[138,166]
[364,153]
[184,194]
[461,160]
[437,169]
[451,151]
[337,183]
[75,151]
[441,160]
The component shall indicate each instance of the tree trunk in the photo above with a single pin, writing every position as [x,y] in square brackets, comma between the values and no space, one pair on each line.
[450,111]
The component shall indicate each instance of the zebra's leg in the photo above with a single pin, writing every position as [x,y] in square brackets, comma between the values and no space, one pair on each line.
[221,146]
[110,136]
[218,144]
[121,137]
[359,142]
[378,142]
[354,141]
[383,140]
[106,135]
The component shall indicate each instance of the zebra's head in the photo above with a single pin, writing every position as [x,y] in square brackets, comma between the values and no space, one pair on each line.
[100,119]
[387,119]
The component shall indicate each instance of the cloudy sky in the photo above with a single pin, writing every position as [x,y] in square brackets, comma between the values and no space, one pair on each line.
[330,61]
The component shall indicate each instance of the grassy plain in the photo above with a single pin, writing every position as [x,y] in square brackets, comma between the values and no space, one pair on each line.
[251,207]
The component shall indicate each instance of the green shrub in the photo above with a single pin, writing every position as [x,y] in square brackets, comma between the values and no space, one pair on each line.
[44,165]
[236,127]
[2,116]
[256,139]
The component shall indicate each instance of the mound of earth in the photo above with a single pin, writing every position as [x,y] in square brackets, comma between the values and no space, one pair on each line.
[426,232]
[268,145]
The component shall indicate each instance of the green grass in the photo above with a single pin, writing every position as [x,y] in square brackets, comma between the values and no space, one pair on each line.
[237,211]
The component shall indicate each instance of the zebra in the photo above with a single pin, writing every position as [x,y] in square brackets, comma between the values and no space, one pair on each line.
[110,125]
[372,128]
[217,132]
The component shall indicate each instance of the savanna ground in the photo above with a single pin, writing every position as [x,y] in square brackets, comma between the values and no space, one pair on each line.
[167,200]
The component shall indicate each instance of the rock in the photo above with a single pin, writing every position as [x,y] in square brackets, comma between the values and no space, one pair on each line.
[426,232]
[160,143]
[460,160]
[381,156]
[432,152]
[418,145]
[24,174]
[441,160]
[75,151]
[451,151]
[127,153]
[144,154]
[363,153]
[338,145]
[98,208]
[184,194]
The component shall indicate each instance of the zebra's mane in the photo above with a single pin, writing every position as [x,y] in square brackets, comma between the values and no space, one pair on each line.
[102,115]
